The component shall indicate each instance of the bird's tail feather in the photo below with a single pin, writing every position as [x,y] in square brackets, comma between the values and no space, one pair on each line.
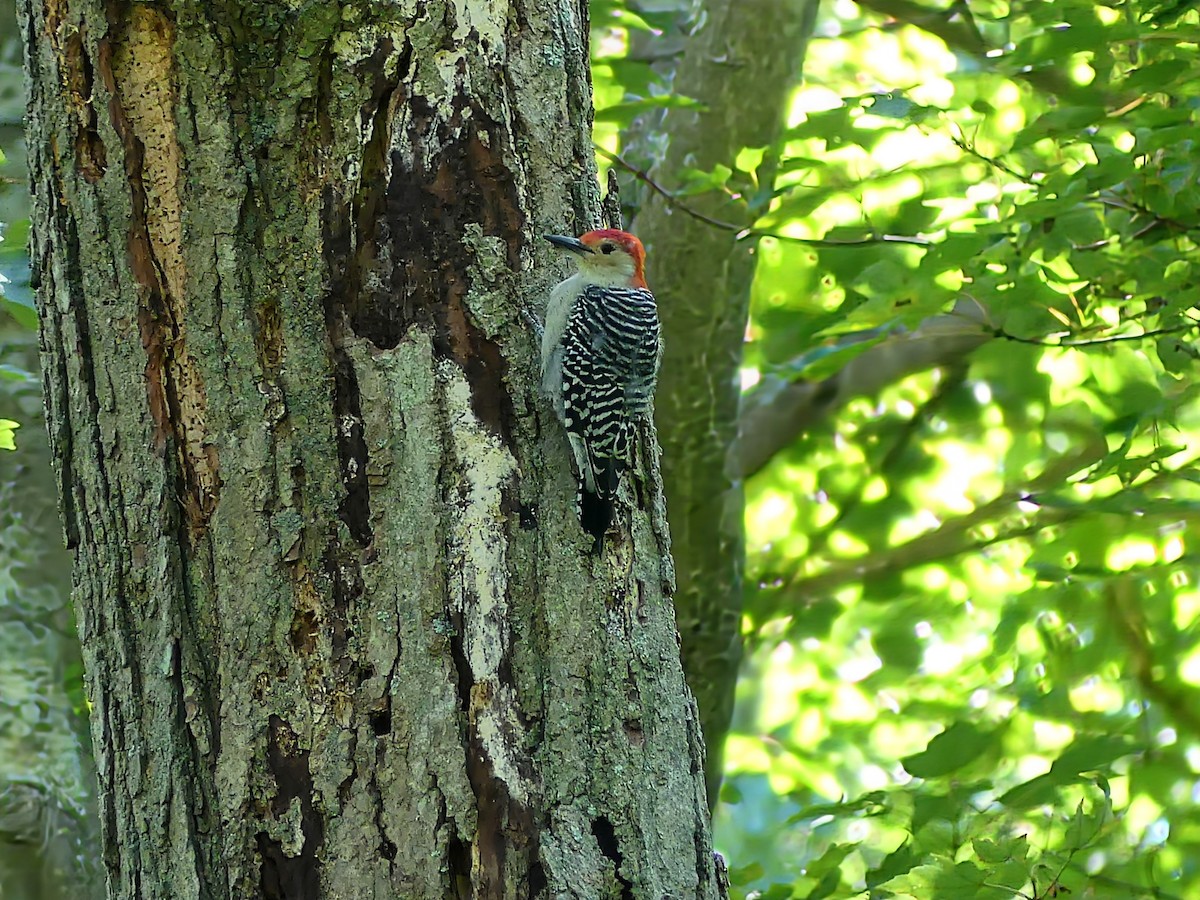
[596,507]
[595,514]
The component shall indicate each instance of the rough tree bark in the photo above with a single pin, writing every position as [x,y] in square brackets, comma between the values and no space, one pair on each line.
[342,633]
[742,65]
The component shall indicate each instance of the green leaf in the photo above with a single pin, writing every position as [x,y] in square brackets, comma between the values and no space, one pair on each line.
[1177,355]
[961,881]
[1086,825]
[16,298]
[1092,752]
[1069,120]
[20,308]
[992,852]
[695,181]
[929,807]
[896,863]
[957,746]
[7,427]
[637,78]
[872,804]
[625,112]
[826,870]
[1088,753]
[9,372]
[895,105]
[1158,76]
[747,874]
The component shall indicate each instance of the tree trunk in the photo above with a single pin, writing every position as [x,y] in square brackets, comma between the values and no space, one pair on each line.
[742,65]
[342,632]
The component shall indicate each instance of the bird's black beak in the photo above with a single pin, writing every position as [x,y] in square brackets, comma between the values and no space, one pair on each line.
[575,245]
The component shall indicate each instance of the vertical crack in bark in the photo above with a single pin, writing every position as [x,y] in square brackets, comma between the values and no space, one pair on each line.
[291,865]
[606,840]
[304,631]
[458,855]
[268,337]
[345,575]
[350,434]
[486,370]
[359,266]
[349,246]
[56,390]
[387,848]
[355,508]
[701,834]
[137,67]
[77,79]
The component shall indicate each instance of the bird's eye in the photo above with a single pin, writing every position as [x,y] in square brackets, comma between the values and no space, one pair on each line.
[607,248]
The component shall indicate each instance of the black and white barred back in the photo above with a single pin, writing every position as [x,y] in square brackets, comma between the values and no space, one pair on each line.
[611,352]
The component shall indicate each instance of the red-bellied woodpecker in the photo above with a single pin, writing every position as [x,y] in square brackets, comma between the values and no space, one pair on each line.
[600,353]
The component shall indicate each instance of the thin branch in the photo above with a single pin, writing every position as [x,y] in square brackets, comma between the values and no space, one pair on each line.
[1131,627]
[953,537]
[960,141]
[1121,203]
[1097,342]
[742,232]
[1114,202]
[776,412]
[1108,881]
[938,22]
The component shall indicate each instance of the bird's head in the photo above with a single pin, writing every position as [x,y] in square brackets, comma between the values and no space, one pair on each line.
[607,256]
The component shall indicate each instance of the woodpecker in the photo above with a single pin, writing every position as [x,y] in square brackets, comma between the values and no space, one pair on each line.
[601,349]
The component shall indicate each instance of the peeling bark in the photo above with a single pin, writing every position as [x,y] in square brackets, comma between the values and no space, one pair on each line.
[342,632]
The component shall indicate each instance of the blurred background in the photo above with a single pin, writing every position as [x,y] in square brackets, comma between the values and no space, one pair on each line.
[47,835]
[963,506]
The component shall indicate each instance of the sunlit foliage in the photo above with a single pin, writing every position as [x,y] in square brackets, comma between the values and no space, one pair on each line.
[973,665]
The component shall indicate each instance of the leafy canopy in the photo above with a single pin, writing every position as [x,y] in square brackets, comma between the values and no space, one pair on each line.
[973,665]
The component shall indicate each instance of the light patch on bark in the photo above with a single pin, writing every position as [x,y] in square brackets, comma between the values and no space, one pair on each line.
[287,828]
[478,553]
[478,37]
[482,17]
[143,78]
[142,65]
[361,36]
[491,281]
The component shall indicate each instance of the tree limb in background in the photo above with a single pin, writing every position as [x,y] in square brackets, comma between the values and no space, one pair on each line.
[1124,601]
[955,536]
[779,411]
